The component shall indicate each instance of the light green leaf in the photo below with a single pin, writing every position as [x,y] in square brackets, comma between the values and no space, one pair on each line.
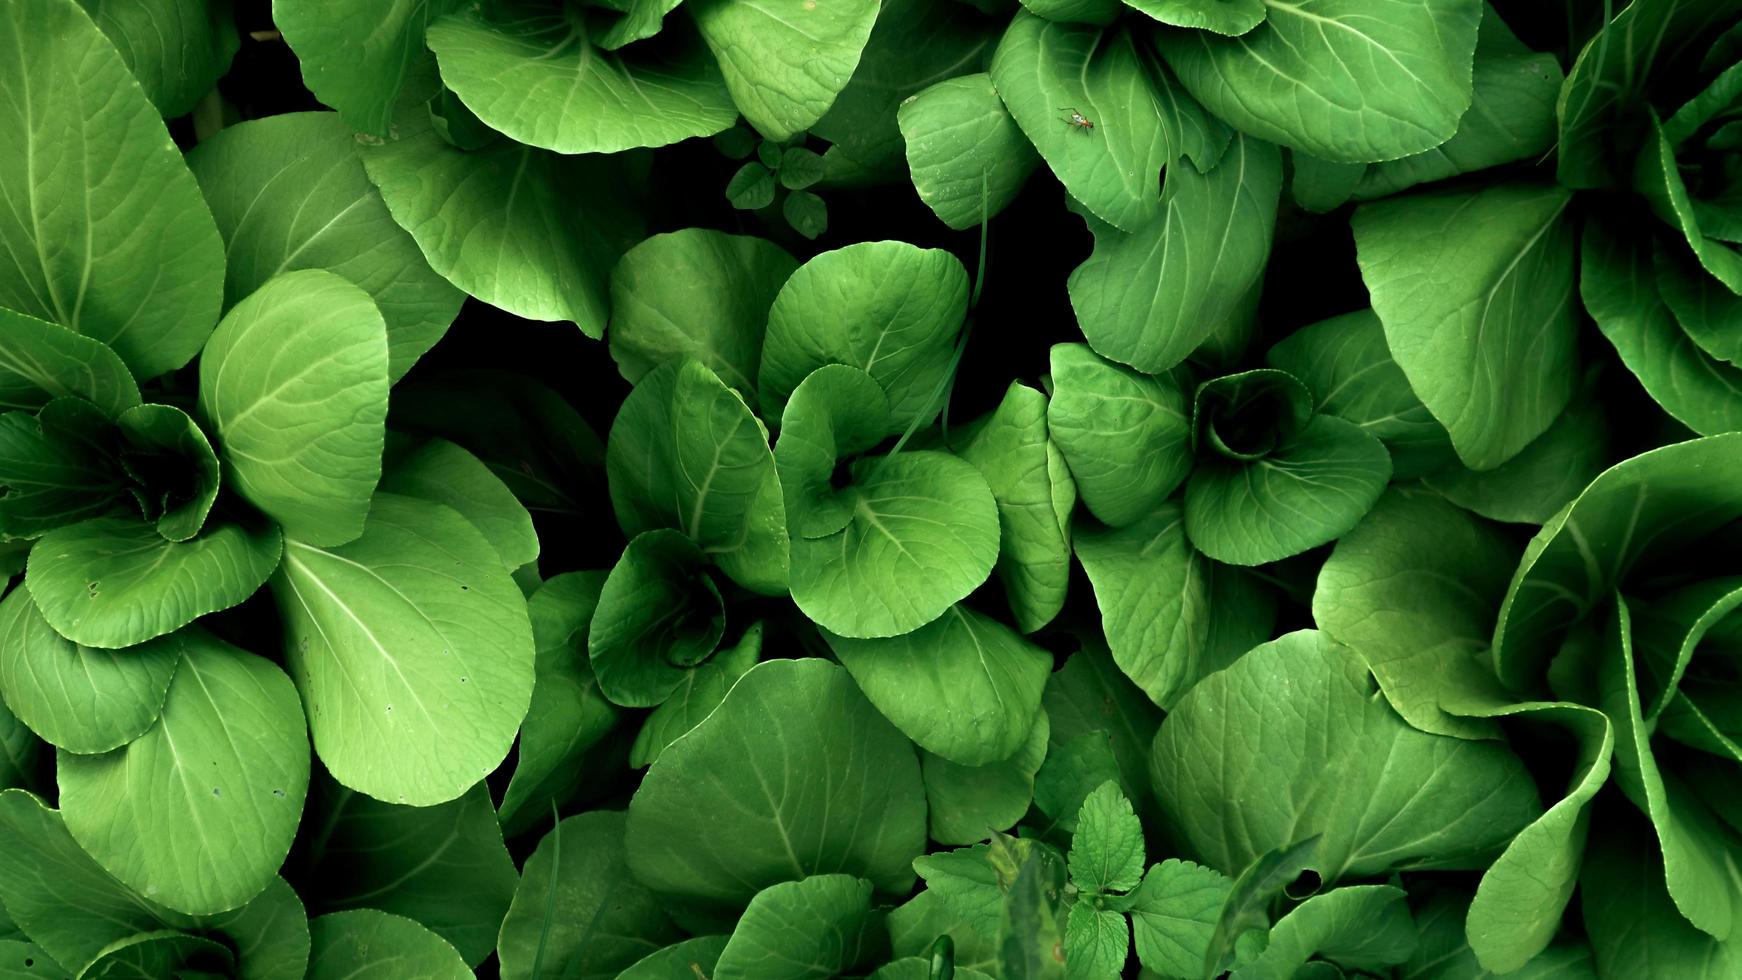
[967,156]
[269,934]
[578,912]
[1209,242]
[1307,492]
[294,381]
[1073,769]
[919,968]
[1125,435]
[1413,590]
[1645,508]
[53,891]
[966,803]
[963,883]
[114,581]
[531,232]
[811,929]
[964,686]
[58,467]
[1621,293]
[366,942]
[74,697]
[838,411]
[1097,943]
[1362,927]
[1173,915]
[1345,363]
[441,472]
[697,695]
[444,866]
[1332,760]
[288,193]
[784,61]
[1045,70]
[198,813]
[43,361]
[1635,929]
[412,650]
[696,293]
[659,616]
[1340,79]
[134,263]
[686,452]
[1077,11]
[734,805]
[20,960]
[1107,847]
[1231,17]
[679,961]
[1032,486]
[916,925]
[913,44]
[160,953]
[568,714]
[176,49]
[1531,487]
[360,59]
[163,437]
[532,70]
[1475,290]
[888,308]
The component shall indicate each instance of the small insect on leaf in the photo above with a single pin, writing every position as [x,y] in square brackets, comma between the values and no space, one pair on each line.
[1077,119]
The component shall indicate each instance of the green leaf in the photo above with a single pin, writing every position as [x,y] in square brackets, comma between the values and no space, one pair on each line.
[1620,292]
[412,650]
[1346,364]
[176,49]
[837,412]
[1209,239]
[1097,942]
[696,293]
[289,192]
[785,62]
[160,953]
[697,695]
[568,714]
[1635,929]
[1246,909]
[734,805]
[26,961]
[358,943]
[1413,590]
[1337,78]
[530,232]
[578,912]
[531,70]
[769,152]
[444,866]
[1306,493]
[1474,289]
[800,168]
[916,926]
[1173,915]
[1107,847]
[1031,937]
[679,961]
[686,452]
[1125,435]
[1362,927]
[74,697]
[441,472]
[1531,487]
[963,883]
[920,968]
[362,60]
[1646,508]
[199,812]
[966,803]
[1659,178]
[134,263]
[1073,769]
[1333,760]
[659,616]
[60,467]
[964,686]
[270,934]
[752,187]
[54,891]
[1032,486]
[806,213]
[1089,694]
[44,361]
[966,154]
[306,353]
[888,308]
[1705,308]
[1231,17]
[20,754]
[1079,11]
[113,582]
[1045,71]
[810,929]
[1444,952]
[165,438]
